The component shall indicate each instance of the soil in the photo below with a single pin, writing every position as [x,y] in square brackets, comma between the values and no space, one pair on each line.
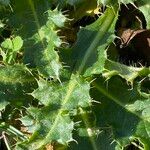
[133,42]
[135,46]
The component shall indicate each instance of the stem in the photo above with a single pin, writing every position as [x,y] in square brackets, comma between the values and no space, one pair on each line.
[87,124]
[6,141]
[12,130]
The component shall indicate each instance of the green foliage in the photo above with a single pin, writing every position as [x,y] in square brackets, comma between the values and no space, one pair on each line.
[46,127]
[144,8]
[129,73]
[10,48]
[69,96]
[124,106]
[89,58]
[112,2]
[4,2]
[55,94]
[16,81]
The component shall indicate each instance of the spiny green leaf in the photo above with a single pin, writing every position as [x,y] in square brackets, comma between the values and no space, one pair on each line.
[119,110]
[88,54]
[67,95]
[122,114]
[46,40]
[102,141]
[29,16]
[127,72]
[57,17]
[46,58]
[46,128]
[58,100]
[54,94]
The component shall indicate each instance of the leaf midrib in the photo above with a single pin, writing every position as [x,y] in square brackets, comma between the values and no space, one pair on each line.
[72,83]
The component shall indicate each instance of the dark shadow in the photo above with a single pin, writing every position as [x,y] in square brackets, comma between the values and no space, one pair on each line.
[137,52]
[111,112]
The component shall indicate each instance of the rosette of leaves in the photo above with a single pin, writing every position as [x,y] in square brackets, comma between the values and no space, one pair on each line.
[94,105]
